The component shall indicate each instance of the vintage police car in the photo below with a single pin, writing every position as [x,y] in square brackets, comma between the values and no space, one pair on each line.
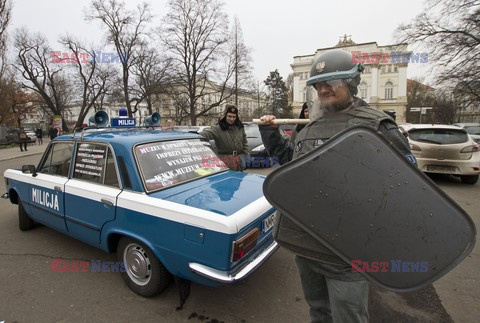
[149,196]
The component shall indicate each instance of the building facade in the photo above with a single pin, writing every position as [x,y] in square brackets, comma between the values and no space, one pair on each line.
[383,83]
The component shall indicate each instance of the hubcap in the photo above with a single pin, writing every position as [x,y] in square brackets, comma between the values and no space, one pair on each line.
[137,264]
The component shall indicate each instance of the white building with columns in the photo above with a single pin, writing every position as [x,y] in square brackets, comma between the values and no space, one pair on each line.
[383,83]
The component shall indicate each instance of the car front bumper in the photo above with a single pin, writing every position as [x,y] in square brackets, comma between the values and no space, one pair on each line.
[226,277]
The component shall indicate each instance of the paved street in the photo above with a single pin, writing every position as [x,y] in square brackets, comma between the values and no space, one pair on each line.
[31,292]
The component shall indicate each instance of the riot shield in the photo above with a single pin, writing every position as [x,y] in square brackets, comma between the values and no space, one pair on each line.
[361,198]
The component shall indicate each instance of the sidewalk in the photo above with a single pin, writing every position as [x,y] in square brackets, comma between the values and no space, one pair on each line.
[15,152]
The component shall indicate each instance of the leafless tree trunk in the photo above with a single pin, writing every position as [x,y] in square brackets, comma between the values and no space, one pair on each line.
[450,30]
[195,35]
[93,80]
[5,11]
[125,30]
[34,62]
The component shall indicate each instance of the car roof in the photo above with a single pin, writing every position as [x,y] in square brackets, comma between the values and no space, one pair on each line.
[409,127]
[127,137]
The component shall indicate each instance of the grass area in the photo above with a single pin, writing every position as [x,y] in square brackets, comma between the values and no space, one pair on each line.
[4,145]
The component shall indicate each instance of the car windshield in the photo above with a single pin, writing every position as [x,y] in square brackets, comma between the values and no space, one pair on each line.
[473,130]
[438,136]
[167,163]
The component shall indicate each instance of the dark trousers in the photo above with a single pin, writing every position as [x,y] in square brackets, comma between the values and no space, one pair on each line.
[23,145]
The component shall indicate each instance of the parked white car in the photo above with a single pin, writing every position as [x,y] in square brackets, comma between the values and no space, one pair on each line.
[473,130]
[444,149]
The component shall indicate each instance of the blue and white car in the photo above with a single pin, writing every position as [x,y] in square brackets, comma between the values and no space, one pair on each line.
[148,196]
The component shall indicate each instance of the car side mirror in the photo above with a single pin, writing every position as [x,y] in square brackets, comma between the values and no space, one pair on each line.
[29,169]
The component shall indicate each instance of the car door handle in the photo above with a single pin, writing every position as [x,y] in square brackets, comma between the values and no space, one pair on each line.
[57,188]
[107,202]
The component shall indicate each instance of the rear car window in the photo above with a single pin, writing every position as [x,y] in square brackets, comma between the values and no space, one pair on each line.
[167,163]
[439,136]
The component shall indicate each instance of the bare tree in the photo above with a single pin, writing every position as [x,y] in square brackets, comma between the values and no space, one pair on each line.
[450,29]
[151,73]
[34,62]
[92,80]
[195,35]
[125,30]
[444,108]
[241,59]
[289,85]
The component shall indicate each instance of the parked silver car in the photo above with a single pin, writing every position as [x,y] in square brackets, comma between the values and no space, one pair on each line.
[444,149]
[12,135]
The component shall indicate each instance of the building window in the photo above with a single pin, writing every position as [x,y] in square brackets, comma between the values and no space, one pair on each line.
[363,90]
[388,90]
[367,69]
[395,68]
[383,69]
[389,68]
[304,75]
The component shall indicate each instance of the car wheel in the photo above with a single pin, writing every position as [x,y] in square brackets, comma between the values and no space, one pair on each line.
[469,179]
[144,273]
[24,221]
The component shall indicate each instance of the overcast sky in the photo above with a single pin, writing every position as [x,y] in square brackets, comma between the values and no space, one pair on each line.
[275,30]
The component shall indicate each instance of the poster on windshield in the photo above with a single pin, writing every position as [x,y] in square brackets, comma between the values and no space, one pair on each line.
[169,163]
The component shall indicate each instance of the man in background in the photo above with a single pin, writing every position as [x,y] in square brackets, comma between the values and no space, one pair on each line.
[230,138]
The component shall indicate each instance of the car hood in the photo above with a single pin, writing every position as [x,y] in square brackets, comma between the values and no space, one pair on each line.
[224,193]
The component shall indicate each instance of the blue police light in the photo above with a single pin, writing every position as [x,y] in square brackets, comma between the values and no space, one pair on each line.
[122,112]
[100,119]
[153,120]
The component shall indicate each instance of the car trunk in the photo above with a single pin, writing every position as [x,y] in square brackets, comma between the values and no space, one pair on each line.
[217,193]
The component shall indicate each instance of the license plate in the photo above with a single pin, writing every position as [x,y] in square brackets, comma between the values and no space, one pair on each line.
[434,168]
[268,222]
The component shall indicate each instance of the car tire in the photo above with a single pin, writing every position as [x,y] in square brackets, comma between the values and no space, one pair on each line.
[144,273]
[469,179]
[24,221]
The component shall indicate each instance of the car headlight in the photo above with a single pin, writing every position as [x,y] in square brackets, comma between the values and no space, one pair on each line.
[259,148]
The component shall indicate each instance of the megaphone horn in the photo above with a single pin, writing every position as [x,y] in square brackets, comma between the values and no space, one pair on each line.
[100,119]
[153,120]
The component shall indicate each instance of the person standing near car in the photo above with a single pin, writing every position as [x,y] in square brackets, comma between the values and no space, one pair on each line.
[303,115]
[52,133]
[230,138]
[332,290]
[39,134]
[22,139]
